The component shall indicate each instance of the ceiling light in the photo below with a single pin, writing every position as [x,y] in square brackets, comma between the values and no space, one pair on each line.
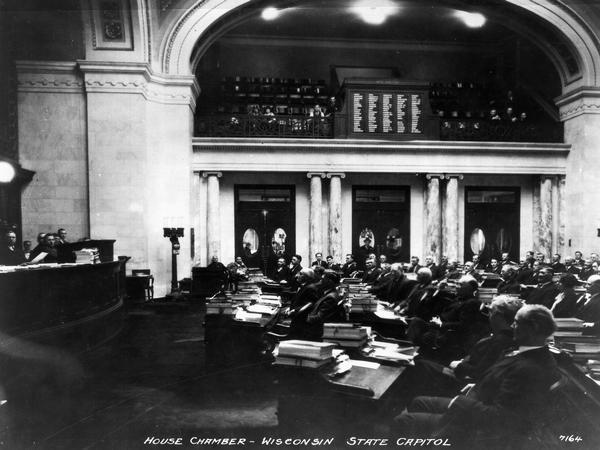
[472,20]
[374,15]
[270,13]
[7,172]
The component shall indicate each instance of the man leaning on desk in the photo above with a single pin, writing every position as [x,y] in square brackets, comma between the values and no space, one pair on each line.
[508,400]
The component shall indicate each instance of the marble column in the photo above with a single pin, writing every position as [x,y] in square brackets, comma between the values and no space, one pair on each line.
[545,224]
[555,215]
[433,217]
[450,217]
[213,228]
[335,216]
[315,234]
[562,211]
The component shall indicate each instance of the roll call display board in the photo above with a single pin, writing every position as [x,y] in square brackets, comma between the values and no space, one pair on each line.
[385,108]
[388,113]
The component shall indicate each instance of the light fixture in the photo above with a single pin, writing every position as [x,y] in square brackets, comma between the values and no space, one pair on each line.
[472,20]
[270,13]
[374,15]
[7,172]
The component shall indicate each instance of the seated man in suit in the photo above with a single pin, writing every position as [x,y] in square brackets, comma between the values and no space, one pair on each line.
[48,246]
[546,291]
[319,261]
[428,377]
[508,398]
[493,266]
[588,306]
[326,309]
[556,265]
[414,265]
[295,267]
[10,253]
[565,303]
[506,260]
[509,284]
[371,271]
[282,273]
[431,265]
[478,264]
[571,267]
[349,269]
[587,270]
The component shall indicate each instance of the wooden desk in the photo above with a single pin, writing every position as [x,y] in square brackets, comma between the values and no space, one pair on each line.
[78,305]
[309,401]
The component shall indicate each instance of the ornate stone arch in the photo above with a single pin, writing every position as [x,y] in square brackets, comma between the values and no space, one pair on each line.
[204,21]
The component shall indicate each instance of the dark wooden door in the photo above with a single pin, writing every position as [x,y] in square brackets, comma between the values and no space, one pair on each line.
[492,222]
[265,225]
[383,215]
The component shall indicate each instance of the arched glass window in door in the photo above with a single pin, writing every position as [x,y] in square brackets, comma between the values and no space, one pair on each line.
[250,242]
[366,233]
[278,241]
[477,241]
[503,241]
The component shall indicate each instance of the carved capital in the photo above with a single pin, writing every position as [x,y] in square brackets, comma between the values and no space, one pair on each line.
[429,176]
[315,174]
[454,175]
[336,174]
[212,174]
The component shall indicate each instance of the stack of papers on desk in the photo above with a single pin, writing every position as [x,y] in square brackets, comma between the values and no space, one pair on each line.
[245,316]
[87,255]
[570,323]
[346,334]
[304,353]
[389,351]
[220,307]
[261,309]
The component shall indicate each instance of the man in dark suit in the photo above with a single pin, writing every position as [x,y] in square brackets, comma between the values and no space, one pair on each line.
[556,265]
[478,264]
[578,261]
[325,309]
[371,272]
[10,253]
[282,273]
[414,265]
[294,268]
[48,246]
[350,268]
[509,284]
[588,307]
[571,267]
[306,295]
[546,291]
[431,265]
[508,399]
[319,261]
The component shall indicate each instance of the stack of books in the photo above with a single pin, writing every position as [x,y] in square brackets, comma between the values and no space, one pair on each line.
[360,298]
[87,256]
[220,306]
[346,334]
[300,353]
[568,328]
[583,347]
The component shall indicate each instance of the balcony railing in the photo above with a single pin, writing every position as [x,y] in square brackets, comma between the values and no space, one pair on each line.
[299,126]
[264,126]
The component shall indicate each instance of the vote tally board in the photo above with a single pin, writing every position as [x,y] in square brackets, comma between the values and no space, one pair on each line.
[388,112]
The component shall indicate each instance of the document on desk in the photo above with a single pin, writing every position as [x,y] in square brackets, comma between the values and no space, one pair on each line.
[365,364]
[39,258]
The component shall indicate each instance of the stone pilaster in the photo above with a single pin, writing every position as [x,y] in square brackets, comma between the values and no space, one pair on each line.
[213,228]
[335,215]
[315,231]
[562,208]
[433,216]
[545,225]
[450,217]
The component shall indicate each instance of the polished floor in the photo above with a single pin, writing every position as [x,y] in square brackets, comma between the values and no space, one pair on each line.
[152,381]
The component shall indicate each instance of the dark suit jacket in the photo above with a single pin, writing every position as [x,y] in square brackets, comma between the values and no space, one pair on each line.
[319,263]
[567,306]
[590,311]
[509,287]
[575,270]
[310,324]
[484,354]
[370,276]
[307,293]
[558,267]
[281,275]
[11,257]
[52,255]
[543,295]
[510,395]
[348,269]
[414,269]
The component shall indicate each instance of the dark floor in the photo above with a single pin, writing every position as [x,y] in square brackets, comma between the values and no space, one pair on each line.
[153,380]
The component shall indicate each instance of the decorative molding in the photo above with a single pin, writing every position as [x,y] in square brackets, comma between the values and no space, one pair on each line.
[111,24]
[315,174]
[138,78]
[584,100]
[336,174]
[175,32]
[430,176]
[54,76]
[460,176]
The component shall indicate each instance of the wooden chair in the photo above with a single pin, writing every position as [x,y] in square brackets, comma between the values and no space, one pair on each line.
[149,282]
